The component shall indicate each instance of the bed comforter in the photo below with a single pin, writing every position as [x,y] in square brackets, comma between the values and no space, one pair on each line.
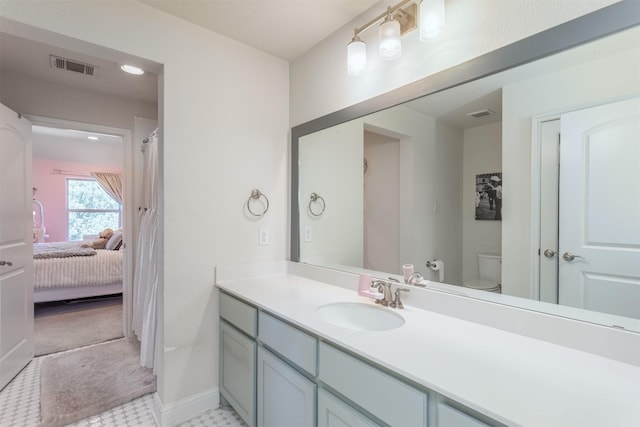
[105,267]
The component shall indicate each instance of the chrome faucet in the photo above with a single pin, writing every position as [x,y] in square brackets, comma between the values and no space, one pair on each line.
[385,289]
[389,299]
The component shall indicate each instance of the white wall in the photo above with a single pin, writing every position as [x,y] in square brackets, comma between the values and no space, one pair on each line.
[331,166]
[382,189]
[429,194]
[224,132]
[482,154]
[604,80]
[320,84]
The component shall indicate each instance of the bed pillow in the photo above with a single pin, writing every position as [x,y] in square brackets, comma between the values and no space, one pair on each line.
[115,241]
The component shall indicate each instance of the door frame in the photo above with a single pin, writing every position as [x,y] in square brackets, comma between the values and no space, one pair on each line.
[128,212]
[536,196]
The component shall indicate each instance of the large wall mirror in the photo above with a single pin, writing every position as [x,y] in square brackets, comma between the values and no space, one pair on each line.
[410,177]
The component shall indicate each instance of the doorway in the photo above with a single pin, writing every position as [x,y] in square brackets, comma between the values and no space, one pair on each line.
[589,253]
[75,307]
[88,103]
[381,234]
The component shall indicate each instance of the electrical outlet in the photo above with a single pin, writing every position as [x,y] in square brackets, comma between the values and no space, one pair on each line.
[308,233]
[263,236]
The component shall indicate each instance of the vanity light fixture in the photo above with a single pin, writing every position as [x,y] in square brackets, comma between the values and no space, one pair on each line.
[131,69]
[356,56]
[93,138]
[431,19]
[396,21]
[390,44]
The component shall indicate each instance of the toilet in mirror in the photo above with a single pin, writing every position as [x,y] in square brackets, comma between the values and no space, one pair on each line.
[489,270]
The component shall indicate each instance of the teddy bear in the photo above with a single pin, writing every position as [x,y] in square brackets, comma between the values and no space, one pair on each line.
[101,241]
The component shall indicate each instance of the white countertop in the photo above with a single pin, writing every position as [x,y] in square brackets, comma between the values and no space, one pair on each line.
[511,378]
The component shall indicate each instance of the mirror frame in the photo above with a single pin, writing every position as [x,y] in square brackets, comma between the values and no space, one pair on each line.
[600,23]
[603,22]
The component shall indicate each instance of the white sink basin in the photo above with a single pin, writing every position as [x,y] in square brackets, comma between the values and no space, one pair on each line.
[360,317]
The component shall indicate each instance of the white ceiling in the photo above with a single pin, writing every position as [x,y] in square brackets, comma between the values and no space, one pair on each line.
[31,58]
[70,145]
[283,28]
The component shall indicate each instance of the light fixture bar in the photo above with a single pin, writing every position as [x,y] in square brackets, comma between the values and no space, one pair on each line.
[384,15]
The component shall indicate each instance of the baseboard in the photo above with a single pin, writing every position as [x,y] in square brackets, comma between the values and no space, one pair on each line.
[175,413]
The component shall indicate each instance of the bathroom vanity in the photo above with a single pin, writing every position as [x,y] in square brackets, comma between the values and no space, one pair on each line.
[285,362]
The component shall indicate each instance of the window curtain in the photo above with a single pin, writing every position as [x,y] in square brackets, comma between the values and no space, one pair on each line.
[111,183]
[145,293]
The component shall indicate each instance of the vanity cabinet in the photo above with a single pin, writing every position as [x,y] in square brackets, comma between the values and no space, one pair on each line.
[452,417]
[333,412]
[285,397]
[275,374]
[292,344]
[387,398]
[237,372]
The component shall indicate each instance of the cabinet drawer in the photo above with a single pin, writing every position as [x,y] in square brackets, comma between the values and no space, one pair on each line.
[291,343]
[384,396]
[332,412]
[239,314]
[451,417]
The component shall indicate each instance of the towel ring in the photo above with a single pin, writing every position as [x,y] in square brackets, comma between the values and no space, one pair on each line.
[255,195]
[314,198]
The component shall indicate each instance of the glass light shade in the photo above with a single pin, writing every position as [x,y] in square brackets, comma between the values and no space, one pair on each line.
[390,44]
[432,20]
[356,57]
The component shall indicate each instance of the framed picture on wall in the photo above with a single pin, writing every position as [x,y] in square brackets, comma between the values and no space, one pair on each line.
[489,196]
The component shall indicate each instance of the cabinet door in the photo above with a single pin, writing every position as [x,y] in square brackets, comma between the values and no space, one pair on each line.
[238,371]
[332,412]
[285,397]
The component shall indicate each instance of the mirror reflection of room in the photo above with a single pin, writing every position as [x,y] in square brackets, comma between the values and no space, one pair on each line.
[447,158]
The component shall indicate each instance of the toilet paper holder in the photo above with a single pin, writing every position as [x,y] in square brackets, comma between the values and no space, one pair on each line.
[437,265]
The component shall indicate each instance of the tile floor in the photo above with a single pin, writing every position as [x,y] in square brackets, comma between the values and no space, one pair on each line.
[20,407]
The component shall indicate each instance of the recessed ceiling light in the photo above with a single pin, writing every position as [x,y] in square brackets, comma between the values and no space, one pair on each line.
[93,138]
[132,70]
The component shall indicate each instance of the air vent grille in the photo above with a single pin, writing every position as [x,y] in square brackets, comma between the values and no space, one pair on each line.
[71,65]
[481,113]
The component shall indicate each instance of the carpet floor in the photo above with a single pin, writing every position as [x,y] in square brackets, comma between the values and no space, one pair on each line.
[59,326]
[79,383]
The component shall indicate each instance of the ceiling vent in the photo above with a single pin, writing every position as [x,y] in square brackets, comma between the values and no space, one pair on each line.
[75,66]
[481,113]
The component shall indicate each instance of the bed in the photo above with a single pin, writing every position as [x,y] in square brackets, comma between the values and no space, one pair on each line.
[64,270]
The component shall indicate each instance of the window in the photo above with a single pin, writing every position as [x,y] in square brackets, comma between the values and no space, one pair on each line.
[89,209]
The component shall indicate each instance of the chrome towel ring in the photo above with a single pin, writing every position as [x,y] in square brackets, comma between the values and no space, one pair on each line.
[316,198]
[255,195]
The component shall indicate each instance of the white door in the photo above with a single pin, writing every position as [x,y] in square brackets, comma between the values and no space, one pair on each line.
[16,247]
[599,240]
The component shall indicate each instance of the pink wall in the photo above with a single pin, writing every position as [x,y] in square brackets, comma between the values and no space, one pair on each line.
[52,192]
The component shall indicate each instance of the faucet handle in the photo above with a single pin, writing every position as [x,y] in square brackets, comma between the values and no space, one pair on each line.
[396,303]
[414,279]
